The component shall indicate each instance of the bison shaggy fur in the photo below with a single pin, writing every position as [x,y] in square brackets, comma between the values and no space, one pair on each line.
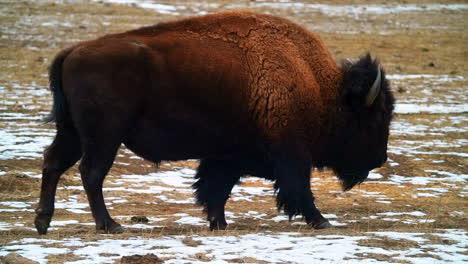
[245,93]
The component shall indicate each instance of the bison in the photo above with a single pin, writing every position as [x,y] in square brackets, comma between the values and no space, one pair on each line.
[245,93]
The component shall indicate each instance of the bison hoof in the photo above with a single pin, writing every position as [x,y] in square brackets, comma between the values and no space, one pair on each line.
[322,225]
[116,230]
[42,223]
[112,228]
[217,226]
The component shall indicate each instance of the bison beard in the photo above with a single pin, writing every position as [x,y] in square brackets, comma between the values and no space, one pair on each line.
[246,93]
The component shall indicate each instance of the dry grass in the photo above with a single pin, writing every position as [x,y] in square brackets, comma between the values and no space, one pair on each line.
[390,244]
[27,50]
[381,257]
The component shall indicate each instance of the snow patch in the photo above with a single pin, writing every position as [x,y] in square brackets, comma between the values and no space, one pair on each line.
[415,213]
[190,220]
[407,108]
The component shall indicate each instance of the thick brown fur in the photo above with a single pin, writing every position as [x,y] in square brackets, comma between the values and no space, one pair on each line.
[246,93]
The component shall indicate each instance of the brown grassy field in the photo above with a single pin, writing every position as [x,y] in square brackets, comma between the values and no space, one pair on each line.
[412,210]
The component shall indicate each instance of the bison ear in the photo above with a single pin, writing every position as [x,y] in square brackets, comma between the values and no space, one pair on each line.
[362,81]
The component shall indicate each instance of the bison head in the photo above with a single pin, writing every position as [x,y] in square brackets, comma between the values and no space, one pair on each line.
[362,129]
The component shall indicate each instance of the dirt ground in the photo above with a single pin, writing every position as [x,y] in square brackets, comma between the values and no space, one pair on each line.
[412,210]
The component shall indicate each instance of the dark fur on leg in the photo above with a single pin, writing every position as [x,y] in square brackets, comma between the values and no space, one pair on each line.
[93,178]
[215,181]
[63,153]
[293,191]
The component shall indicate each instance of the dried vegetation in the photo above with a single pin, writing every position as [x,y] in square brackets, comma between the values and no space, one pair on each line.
[426,145]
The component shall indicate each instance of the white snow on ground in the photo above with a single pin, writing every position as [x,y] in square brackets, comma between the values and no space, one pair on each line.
[440,78]
[178,178]
[419,180]
[276,248]
[72,205]
[331,10]
[439,190]
[160,8]
[402,127]
[412,151]
[15,210]
[63,223]
[190,220]
[139,226]
[400,235]
[338,10]
[300,221]
[15,204]
[15,207]
[428,90]
[284,247]
[34,251]
[27,140]
[24,140]
[415,213]
[390,216]
[450,175]
[181,180]
[164,198]
[249,193]
[448,253]
[402,108]
[4,227]
[16,146]
[374,176]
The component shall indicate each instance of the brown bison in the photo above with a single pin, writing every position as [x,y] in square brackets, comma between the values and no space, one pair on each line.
[246,93]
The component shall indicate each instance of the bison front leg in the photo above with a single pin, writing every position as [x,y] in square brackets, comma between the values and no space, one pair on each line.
[293,191]
[216,178]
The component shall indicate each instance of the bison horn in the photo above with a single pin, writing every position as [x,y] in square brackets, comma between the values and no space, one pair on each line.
[346,64]
[375,88]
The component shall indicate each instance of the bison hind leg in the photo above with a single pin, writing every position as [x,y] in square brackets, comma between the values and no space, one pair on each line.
[216,178]
[63,153]
[95,164]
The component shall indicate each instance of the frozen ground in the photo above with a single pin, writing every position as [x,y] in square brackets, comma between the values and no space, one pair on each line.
[284,247]
[359,12]
[413,210]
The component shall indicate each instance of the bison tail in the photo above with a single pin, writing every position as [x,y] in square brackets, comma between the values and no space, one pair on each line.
[59,107]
